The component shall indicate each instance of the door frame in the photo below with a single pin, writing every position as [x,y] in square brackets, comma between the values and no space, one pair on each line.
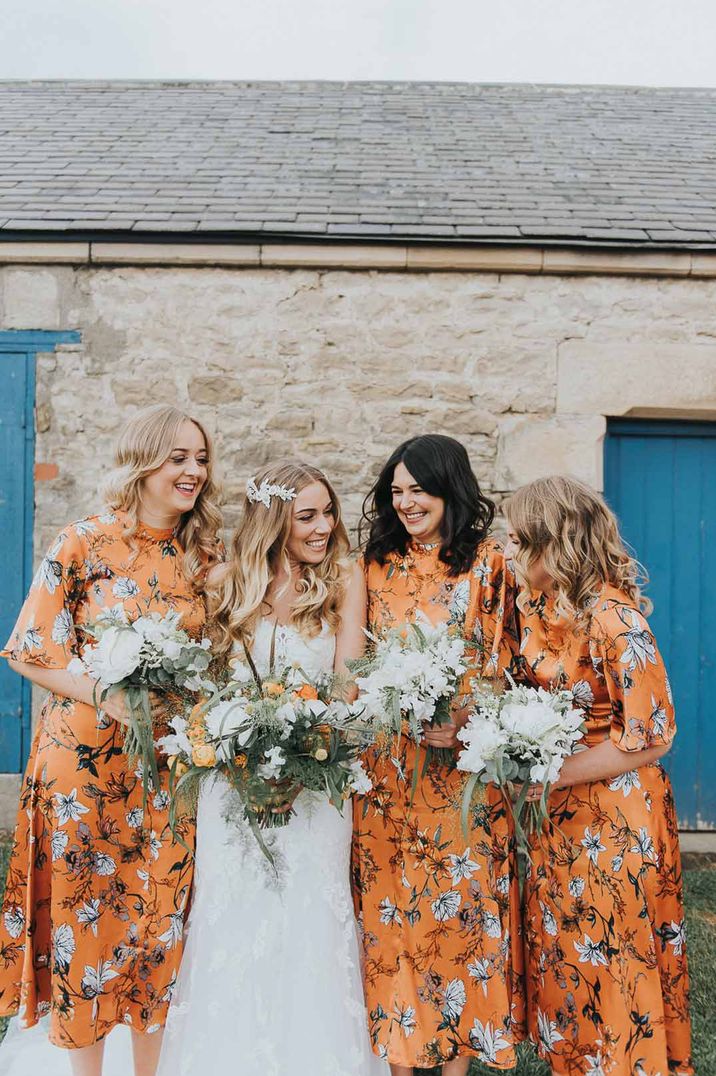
[30,343]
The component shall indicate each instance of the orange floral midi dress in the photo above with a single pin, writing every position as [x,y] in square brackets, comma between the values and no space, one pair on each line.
[438,911]
[607,980]
[91,923]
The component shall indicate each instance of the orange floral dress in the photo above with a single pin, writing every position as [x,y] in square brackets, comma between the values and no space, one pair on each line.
[438,911]
[607,979]
[91,924]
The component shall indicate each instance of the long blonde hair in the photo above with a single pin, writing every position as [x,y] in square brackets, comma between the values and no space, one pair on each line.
[145,443]
[260,554]
[564,523]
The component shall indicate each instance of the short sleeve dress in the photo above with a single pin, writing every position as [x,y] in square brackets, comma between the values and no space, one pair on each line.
[91,922]
[607,978]
[439,911]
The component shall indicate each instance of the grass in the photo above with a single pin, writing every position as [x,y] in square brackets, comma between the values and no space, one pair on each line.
[701,919]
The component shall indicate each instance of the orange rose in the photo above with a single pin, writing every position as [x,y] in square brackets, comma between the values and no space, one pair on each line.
[203,755]
[196,734]
[197,712]
[241,761]
[306,691]
[272,689]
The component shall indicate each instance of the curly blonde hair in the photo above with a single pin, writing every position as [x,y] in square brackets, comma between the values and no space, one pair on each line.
[260,554]
[566,525]
[145,443]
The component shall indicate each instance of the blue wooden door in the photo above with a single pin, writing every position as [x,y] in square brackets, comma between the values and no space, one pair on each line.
[660,478]
[16,458]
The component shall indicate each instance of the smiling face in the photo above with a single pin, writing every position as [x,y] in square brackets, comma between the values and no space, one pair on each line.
[420,513]
[171,490]
[312,522]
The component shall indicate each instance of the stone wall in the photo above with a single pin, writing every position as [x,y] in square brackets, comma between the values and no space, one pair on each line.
[339,366]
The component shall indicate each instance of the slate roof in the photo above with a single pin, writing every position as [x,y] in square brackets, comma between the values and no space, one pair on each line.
[448,162]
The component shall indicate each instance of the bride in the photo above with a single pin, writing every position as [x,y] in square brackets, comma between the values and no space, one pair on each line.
[270,981]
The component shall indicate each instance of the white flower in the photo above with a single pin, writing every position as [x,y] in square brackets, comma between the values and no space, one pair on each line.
[116,656]
[446,906]
[124,587]
[616,865]
[49,572]
[63,627]
[89,914]
[626,782]
[406,1019]
[114,614]
[462,866]
[593,843]
[594,1064]
[32,639]
[486,1041]
[173,935]
[94,980]
[658,714]
[644,844]
[590,952]
[135,817]
[548,920]
[548,1033]
[480,970]
[161,801]
[679,940]
[576,886]
[491,924]
[275,760]
[155,846]
[640,646]
[455,1000]
[225,719]
[389,912]
[360,782]
[14,920]
[67,808]
[176,743]
[103,864]
[63,945]
[58,843]
[582,694]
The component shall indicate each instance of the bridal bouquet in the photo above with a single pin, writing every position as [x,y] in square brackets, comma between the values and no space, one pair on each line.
[517,738]
[270,738]
[411,675]
[150,653]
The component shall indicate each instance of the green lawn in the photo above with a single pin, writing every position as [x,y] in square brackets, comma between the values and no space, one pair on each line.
[701,919]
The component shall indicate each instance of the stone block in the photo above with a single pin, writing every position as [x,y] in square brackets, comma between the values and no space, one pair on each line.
[31,299]
[10,784]
[214,391]
[531,446]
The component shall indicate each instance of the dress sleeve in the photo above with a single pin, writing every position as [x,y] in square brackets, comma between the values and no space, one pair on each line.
[636,679]
[45,631]
[491,622]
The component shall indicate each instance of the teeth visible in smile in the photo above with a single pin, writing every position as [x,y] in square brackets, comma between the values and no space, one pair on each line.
[412,516]
[317,544]
[186,488]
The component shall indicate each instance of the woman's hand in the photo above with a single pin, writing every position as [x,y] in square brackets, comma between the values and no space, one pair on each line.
[116,706]
[443,735]
[288,801]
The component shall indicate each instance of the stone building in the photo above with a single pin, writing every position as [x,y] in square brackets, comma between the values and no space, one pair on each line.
[324,269]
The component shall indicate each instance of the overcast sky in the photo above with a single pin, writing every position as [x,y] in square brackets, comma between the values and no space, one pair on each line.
[638,42]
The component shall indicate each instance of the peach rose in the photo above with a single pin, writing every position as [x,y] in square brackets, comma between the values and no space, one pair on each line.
[203,755]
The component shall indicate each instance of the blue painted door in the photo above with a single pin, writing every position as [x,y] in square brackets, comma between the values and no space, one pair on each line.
[660,478]
[16,458]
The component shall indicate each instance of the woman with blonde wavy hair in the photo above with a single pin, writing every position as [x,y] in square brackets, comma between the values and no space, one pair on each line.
[607,978]
[91,926]
[270,979]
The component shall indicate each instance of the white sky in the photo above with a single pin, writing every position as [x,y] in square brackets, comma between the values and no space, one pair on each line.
[638,42]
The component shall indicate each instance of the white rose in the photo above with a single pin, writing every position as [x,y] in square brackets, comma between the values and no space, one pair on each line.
[171,648]
[116,655]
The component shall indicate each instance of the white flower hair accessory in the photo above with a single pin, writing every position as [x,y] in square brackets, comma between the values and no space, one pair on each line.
[262,494]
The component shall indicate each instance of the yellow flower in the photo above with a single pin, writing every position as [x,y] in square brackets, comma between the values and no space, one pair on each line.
[196,734]
[241,761]
[272,689]
[203,754]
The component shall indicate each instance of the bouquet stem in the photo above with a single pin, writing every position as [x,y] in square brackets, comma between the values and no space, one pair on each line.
[139,739]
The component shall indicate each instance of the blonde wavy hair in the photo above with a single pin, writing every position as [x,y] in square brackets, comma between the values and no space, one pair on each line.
[145,443]
[566,525]
[260,554]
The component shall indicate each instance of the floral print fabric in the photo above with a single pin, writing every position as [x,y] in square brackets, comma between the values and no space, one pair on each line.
[91,925]
[438,910]
[607,979]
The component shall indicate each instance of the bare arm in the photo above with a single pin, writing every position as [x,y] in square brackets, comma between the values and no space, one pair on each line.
[350,640]
[602,762]
[79,687]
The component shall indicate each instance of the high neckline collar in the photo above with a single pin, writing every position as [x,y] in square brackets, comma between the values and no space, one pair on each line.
[158,534]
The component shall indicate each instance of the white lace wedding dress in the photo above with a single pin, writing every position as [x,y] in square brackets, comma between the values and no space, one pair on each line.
[270,979]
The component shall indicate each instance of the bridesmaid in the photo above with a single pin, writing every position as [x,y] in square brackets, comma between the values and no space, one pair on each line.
[436,907]
[607,980]
[91,925]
